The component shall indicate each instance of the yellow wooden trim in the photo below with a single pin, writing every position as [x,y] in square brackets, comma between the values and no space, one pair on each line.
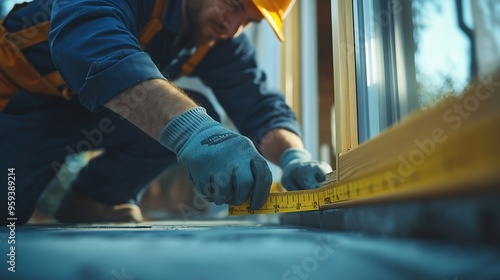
[346,119]
[418,134]
[290,61]
[448,150]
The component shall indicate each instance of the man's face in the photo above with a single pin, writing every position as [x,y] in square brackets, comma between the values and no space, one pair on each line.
[219,19]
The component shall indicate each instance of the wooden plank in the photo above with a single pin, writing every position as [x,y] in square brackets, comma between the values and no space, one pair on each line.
[290,61]
[468,163]
[447,150]
[416,137]
[346,120]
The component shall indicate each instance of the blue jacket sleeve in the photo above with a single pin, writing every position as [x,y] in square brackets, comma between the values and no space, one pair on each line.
[94,46]
[231,71]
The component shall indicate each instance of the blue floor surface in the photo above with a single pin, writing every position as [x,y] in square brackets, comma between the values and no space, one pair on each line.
[234,250]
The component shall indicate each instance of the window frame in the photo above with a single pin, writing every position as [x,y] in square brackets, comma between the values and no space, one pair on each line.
[355,160]
[344,76]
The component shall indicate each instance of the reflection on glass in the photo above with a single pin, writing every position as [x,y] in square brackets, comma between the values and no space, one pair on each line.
[443,57]
[385,71]
[412,53]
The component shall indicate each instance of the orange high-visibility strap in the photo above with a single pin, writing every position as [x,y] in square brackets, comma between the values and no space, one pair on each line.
[16,72]
[30,36]
[189,66]
[54,78]
[154,25]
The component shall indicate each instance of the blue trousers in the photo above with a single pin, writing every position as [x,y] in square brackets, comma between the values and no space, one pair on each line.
[38,132]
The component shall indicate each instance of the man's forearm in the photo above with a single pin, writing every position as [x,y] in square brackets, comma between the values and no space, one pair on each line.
[276,141]
[151,104]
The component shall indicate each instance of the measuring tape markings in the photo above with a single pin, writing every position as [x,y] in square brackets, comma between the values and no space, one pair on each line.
[458,164]
[463,163]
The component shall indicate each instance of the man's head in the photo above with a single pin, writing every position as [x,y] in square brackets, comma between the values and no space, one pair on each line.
[209,20]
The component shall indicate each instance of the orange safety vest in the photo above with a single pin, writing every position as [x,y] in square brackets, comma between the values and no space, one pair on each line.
[17,72]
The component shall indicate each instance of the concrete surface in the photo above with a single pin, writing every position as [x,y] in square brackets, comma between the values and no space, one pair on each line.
[234,250]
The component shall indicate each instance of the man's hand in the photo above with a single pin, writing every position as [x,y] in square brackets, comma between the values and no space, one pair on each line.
[224,166]
[300,172]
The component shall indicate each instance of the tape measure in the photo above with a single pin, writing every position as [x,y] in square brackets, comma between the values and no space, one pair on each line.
[468,161]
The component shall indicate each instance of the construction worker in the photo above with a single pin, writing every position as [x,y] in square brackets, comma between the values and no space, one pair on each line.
[101,80]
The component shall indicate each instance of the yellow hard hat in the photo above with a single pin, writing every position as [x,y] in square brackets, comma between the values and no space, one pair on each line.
[275,11]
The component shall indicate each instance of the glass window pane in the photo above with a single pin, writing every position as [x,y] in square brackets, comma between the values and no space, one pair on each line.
[443,50]
[385,65]
[412,53]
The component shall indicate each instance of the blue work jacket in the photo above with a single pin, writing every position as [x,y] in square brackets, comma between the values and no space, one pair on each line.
[94,45]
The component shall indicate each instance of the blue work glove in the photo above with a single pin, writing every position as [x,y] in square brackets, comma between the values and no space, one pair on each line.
[300,172]
[224,166]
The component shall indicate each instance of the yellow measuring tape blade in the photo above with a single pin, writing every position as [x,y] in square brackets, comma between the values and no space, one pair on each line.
[468,161]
